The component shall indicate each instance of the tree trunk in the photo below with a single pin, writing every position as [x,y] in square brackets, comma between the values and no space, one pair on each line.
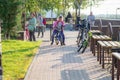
[76,16]
[64,7]
[23,20]
[7,35]
[76,12]
[79,11]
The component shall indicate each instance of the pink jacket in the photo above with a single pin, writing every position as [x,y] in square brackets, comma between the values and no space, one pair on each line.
[56,22]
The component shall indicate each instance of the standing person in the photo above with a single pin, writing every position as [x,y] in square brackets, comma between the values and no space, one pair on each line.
[26,30]
[91,19]
[31,27]
[69,20]
[44,22]
[69,17]
[40,25]
[58,26]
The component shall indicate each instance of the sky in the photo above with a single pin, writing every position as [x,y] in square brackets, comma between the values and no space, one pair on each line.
[105,7]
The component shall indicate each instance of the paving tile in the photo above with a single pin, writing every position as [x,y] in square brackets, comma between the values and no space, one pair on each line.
[64,63]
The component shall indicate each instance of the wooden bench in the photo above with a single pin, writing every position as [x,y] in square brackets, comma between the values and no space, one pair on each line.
[96,38]
[105,49]
[116,61]
[94,32]
[21,35]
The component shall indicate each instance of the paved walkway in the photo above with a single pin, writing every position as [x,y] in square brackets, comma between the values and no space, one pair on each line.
[64,63]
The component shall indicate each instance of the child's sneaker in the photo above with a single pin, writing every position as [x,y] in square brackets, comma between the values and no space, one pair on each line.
[51,43]
[63,43]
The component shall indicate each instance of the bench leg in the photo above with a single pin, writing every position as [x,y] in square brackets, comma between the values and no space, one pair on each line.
[98,51]
[113,61]
[94,47]
[103,58]
[100,54]
[118,69]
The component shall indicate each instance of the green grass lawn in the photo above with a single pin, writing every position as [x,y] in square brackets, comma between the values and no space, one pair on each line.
[16,58]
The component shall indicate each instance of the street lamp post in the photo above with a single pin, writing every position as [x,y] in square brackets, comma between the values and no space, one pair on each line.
[116,11]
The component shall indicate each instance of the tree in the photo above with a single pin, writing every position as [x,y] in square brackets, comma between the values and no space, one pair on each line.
[91,3]
[85,3]
[8,14]
[32,5]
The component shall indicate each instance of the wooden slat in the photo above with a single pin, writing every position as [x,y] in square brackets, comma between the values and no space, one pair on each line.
[102,37]
[107,37]
[107,43]
[101,43]
[98,37]
[113,44]
[94,36]
[95,31]
[92,31]
[118,43]
[117,55]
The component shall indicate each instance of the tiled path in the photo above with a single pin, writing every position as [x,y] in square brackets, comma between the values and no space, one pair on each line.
[64,63]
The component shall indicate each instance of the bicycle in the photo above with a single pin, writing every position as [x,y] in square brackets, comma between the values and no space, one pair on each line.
[58,38]
[80,26]
[83,36]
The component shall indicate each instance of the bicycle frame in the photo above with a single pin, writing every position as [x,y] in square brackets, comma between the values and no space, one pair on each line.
[58,38]
[83,38]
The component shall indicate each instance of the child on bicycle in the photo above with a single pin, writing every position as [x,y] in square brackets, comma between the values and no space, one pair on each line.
[58,27]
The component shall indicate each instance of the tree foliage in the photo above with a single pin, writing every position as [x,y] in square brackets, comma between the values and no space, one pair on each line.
[8,14]
[85,3]
[32,5]
[11,10]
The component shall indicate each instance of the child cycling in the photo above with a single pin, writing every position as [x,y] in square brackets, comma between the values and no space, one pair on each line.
[58,27]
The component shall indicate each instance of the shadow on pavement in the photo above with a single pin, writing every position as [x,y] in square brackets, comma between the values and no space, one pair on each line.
[74,75]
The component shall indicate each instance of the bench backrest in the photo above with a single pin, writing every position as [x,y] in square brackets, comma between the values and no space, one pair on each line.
[110,30]
[100,25]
